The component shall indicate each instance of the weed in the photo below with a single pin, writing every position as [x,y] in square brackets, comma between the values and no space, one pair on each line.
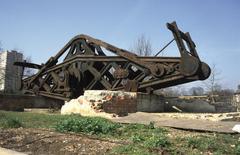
[201,142]
[9,122]
[151,125]
[2,115]
[90,125]
[237,149]
[157,140]
[136,138]
[134,127]
[212,143]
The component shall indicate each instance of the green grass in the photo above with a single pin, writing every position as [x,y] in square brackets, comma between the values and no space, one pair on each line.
[88,125]
[141,139]
[217,144]
[32,120]
[10,122]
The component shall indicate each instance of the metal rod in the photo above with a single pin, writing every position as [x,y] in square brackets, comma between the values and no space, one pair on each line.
[165,47]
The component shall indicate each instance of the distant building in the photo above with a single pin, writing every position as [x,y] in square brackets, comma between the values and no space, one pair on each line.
[236,98]
[10,75]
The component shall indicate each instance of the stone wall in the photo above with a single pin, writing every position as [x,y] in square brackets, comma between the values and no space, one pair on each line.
[19,102]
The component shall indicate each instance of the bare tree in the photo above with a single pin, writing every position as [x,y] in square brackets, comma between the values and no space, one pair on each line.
[1,46]
[172,91]
[196,91]
[226,92]
[212,84]
[142,46]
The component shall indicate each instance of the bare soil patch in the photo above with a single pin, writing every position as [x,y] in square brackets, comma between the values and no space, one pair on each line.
[43,141]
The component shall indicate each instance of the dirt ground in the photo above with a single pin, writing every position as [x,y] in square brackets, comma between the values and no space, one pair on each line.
[48,142]
[42,141]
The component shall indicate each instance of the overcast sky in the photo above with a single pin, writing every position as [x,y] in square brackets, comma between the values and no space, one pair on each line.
[41,28]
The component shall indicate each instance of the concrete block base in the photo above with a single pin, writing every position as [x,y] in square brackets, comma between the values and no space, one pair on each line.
[112,103]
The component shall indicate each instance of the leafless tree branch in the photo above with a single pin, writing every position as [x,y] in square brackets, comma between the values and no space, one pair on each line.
[142,46]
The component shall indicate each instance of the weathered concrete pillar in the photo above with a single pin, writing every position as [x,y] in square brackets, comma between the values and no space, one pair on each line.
[150,103]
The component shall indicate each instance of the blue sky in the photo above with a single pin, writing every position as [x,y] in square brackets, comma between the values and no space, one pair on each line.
[41,28]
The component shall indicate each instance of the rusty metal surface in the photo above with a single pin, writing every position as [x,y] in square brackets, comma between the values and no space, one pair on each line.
[86,66]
